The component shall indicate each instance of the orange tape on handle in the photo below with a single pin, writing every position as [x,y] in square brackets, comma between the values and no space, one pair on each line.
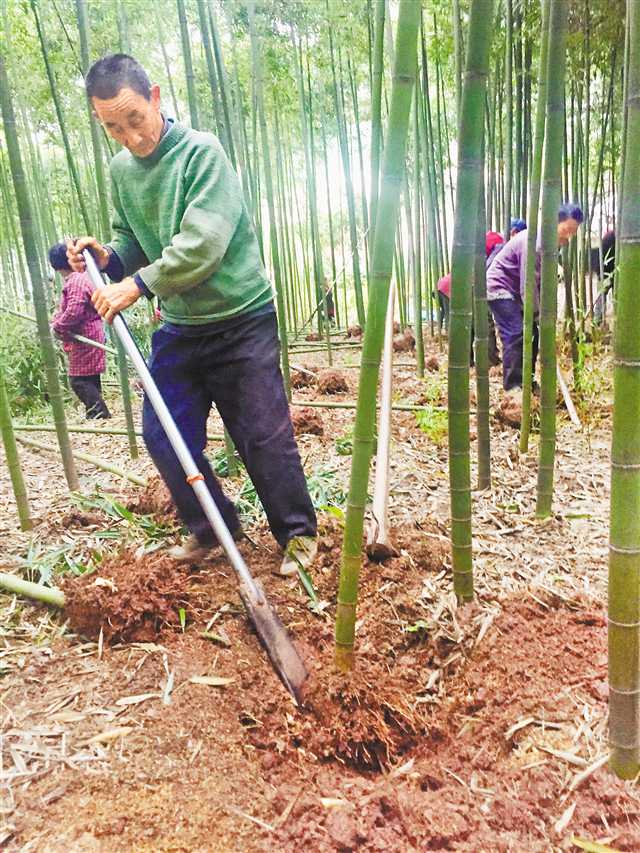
[194,478]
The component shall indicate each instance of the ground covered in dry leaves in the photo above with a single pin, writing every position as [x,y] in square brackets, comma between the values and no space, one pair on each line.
[147,717]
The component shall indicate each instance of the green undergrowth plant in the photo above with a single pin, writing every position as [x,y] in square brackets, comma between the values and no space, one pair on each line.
[433,423]
[23,367]
[131,526]
[326,494]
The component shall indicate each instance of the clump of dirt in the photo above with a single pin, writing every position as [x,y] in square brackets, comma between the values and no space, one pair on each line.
[495,372]
[509,411]
[313,336]
[76,518]
[306,421]
[406,342]
[155,499]
[332,382]
[303,378]
[354,332]
[432,364]
[128,600]
[364,718]
[396,327]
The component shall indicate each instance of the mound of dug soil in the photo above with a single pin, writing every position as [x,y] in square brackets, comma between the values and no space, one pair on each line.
[332,382]
[155,500]
[302,378]
[129,600]
[432,364]
[313,336]
[406,342]
[509,411]
[306,421]
[354,332]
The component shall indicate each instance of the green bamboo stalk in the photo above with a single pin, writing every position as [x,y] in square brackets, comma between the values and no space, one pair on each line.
[223,85]
[73,171]
[13,460]
[121,357]
[91,430]
[188,65]
[273,231]
[37,285]
[551,188]
[376,112]
[508,96]
[481,326]
[392,179]
[417,255]
[624,548]
[167,66]
[532,233]
[87,457]
[37,591]
[463,257]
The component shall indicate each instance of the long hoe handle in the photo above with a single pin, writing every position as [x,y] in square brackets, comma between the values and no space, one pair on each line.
[272,633]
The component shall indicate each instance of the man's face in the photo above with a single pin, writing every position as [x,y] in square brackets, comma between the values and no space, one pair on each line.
[132,120]
[567,230]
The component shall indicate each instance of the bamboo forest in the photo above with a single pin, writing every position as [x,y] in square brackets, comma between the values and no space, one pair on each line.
[320,420]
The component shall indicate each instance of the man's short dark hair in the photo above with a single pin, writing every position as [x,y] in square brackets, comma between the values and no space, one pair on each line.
[58,257]
[107,76]
[570,211]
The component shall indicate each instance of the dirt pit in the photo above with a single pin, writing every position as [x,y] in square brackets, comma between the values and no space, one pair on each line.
[307,421]
[332,382]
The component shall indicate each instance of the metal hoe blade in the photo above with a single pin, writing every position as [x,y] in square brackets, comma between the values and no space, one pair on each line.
[273,635]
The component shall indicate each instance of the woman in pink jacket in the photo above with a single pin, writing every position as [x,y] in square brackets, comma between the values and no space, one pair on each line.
[77,316]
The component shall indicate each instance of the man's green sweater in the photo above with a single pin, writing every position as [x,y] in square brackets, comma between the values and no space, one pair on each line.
[180,222]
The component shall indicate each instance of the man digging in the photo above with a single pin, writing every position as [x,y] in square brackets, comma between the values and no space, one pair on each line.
[506,277]
[182,234]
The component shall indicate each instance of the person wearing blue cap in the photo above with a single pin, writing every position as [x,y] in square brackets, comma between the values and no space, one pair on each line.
[517,225]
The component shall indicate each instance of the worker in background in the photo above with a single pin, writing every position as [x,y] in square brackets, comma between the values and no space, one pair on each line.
[77,316]
[506,279]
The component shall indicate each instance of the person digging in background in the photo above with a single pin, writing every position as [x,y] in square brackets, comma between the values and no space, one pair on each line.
[506,278]
[182,233]
[493,243]
[77,316]
[517,225]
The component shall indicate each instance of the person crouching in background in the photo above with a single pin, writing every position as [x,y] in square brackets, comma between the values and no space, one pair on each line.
[77,316]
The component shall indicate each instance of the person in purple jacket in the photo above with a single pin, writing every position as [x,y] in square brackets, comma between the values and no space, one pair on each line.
[505,292]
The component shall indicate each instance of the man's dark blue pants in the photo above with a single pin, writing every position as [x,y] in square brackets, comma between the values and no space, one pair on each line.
[507,314]
[238,370]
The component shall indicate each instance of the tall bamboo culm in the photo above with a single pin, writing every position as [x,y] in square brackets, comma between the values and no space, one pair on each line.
[381,268]
[37,285]
[624,547]
[551,194]
[13,460]
[532,233]
[471,130]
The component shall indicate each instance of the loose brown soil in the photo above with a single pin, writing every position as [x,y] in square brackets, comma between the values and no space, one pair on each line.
[354,332]
[303,378]
[405,342]
[508,411]
[306,421]
[154,499]
[130,599]
[332,382]
[313,336]
[432,364]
